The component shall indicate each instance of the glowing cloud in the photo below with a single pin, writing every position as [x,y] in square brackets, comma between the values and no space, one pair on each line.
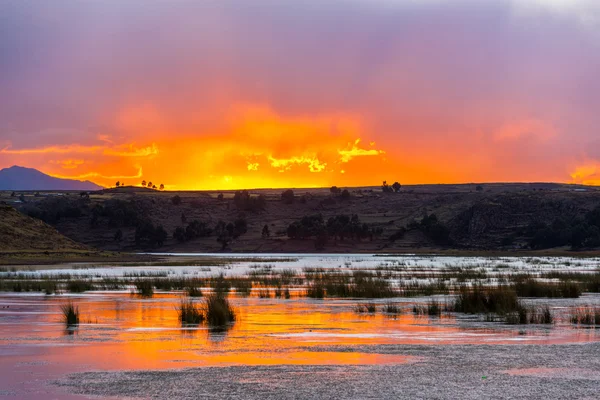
[355,151]
[284,164]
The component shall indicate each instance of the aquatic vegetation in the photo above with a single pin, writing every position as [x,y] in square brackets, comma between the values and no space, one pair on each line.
[144,288]
[586,316]
[79,286]
[316,291]
[434,308]
[194,291]
[369,308]
[70,314]
[531,315]
[218,310]
[533,288]
[482,300]
[189,313]
[392,308]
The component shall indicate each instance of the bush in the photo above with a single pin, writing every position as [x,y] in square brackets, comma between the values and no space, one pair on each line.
[244,201]
[148,234]
[335,190]
[287,196]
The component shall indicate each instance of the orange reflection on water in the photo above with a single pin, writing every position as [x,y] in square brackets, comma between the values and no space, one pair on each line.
[119,331]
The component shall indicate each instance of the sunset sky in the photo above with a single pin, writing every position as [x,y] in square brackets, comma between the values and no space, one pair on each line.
[225,94]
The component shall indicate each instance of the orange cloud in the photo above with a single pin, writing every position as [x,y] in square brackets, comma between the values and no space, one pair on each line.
[355,151]
[588,174]
[126,150]
[68,164]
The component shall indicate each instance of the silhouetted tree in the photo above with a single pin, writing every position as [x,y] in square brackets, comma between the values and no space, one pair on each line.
[335,190]
[154,187]
[345,194]
[13,194]
[396,186]
[386,188]
[179,234]
[176,200]
[149,184]
[220,197]
[479,188]
[265,232]
[287,196]
[22,198]
[118,184]
[144,183]
[162,187]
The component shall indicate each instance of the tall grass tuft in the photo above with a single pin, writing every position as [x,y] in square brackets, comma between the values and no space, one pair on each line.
[189,313]
[524,315]
[70,314]
[218,310]
[480,300]
[434,308]
[586,316]
[533,288]
[144,288]
[391,308]
[193,291]
[369,308]
[316,291]
[79,286]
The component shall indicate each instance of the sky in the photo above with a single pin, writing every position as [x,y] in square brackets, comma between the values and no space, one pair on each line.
[229,94]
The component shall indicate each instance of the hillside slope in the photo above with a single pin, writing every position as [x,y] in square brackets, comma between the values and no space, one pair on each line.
[504,217]
[19,232]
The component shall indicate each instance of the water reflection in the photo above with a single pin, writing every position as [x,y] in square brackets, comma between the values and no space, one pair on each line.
[123,332]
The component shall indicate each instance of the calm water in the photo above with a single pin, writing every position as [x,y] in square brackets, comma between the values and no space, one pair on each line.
[119,331]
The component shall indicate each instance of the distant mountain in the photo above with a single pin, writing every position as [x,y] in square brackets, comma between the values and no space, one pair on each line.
[21,178]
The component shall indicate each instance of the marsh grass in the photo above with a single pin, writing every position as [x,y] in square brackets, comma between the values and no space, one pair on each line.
[391,308]
[480,300]
[243,287]
[434,308]
[79,286]
[316,291]
[194,291]
[70,314]
[218,311]
[533,288]
[530,315]
[586,316]
[144,288]
[189,313]
[368,308]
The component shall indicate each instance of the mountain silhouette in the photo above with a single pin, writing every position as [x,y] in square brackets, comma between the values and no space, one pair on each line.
[21,178]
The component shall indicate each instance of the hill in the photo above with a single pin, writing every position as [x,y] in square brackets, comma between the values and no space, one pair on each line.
[29,179]
[19,232]
[489,217]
